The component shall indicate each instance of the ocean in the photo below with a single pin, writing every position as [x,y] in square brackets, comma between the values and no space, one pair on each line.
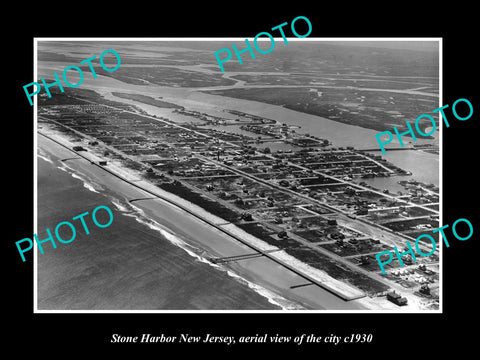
[131,265]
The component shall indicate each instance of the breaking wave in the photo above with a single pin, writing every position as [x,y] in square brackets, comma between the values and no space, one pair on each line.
[139,215]
[64,167]
[44,157]
[86,184]
[89,185]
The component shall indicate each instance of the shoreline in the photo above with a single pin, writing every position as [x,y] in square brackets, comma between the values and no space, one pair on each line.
[131,267]
[152,110]
[365,303]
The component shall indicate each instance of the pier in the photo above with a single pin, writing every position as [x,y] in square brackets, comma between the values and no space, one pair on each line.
[227,259]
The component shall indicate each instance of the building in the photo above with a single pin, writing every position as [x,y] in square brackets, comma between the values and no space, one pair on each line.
[424,289]
[396,298]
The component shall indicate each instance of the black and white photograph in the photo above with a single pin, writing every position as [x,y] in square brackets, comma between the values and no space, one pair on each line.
[217,179]
[260,187]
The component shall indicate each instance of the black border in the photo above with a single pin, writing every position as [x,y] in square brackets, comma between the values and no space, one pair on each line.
[410,334]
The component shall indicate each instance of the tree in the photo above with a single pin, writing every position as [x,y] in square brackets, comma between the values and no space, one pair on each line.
[267,150]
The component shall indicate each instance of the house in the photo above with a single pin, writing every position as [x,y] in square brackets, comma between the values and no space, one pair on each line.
[424,289]
[396,298]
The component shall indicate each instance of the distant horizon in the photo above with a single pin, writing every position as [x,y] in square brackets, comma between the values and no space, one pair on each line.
[415,45]
[399,45]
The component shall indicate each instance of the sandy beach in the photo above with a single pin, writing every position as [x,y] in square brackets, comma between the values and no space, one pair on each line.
[128,266]
[208,241]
